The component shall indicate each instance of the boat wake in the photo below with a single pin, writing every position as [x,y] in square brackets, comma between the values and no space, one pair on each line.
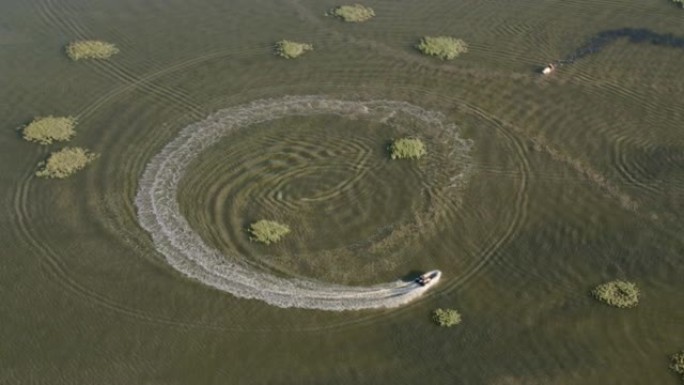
[604,38]
[184,249]
[633,35]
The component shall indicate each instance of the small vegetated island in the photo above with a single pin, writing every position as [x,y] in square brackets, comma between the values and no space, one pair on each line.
[355,13]
[446,317]
[267,232]
[443,47]
[407,148]
[45,130]
[291,49]
[678,363]
[622,294]
[90,49]
[65,162]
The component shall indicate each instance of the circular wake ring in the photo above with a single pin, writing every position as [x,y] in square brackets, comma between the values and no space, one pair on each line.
[184,249]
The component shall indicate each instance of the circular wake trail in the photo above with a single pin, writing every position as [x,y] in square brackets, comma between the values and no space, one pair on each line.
[184,249]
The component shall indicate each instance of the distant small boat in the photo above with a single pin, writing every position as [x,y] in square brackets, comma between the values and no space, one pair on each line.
[549,68]
[429,277]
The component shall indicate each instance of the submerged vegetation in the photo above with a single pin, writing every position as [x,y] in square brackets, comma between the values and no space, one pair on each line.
[355,13]
[45,130]
[290,49]
[407,148]
[446,317]
[91,49]
[444,47]
[617,293]
[677,363]
[267,232]
[65,162]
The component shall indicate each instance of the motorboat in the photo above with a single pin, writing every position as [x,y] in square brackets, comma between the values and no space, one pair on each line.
[428,278]
[549,69]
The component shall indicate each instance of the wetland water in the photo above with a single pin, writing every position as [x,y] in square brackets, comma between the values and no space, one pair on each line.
[535,190]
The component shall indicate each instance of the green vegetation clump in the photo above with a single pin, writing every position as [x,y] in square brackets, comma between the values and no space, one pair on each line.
[678,363]
[617,293]
[90,49]
[355,13]
[444,47]
[65,162]
[446,317]
[267,232]
[679,2]
[290,49]
[407,148]
[45,130]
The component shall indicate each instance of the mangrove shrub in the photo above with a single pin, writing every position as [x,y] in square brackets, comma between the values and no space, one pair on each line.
[446,317]
[617,293]
[91,49]
[407,148]
[678,363]
[65,162]
[679,2]
[267,232]
[47,129]
[355,13]
[290,49]
[443,47]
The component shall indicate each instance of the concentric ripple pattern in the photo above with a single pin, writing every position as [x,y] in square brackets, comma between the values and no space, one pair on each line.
[184,249]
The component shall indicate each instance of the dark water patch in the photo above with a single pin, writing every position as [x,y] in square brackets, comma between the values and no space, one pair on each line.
[634,35]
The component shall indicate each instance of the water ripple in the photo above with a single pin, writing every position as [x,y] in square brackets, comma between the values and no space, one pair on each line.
[159,212]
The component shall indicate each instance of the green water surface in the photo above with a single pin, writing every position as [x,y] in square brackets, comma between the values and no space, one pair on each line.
[574,179]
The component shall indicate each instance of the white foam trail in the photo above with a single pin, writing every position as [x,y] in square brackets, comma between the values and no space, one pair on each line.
[159,212]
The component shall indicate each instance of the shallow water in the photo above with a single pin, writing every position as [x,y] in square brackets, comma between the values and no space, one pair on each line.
[572,180]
